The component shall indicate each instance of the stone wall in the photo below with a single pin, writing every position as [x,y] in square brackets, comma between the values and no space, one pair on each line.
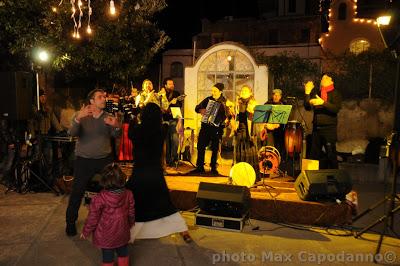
[358,121]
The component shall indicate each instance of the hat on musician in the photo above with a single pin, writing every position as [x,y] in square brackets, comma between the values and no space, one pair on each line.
[219,86]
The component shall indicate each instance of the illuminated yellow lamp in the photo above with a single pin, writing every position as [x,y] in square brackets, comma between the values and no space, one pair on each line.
[54,9]
[362,20]
[74,34]
[369,21]
[229,58]
[330,28]
[383,20]
[112,8]
[355,6]
[320,40]
[78,36]
[330,15]
[355,1]
[326,34]
[89,30]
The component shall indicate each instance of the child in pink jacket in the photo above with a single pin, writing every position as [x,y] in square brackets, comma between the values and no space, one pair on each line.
[111,216]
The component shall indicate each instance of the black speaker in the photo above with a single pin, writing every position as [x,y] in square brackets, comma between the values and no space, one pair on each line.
[326,184]
[223,200]
[16,95]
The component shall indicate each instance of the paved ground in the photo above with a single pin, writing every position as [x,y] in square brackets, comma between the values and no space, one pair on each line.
[32,233]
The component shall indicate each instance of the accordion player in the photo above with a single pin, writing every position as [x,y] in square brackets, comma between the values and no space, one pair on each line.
[214,113]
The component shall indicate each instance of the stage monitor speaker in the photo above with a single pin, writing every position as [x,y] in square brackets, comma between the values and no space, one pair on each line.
[223,200]
[16,95]
[326,184]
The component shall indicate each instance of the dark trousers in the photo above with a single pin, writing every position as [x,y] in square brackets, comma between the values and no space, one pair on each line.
[324,138]
[84,170]
[172,142]
[108,254]
[208,134]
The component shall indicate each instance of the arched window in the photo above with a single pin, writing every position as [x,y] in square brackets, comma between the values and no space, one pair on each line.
[358,46]
[342,12]
[176,70]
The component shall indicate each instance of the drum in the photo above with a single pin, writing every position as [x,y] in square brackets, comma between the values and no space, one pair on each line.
[293,137]
[269,160]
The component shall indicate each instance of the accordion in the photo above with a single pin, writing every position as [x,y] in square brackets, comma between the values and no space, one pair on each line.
[210,116]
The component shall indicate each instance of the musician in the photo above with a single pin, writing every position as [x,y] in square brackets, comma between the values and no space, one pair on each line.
[276,132]
[211,132]
[148,94]
[168,91]
[326,104]
[134,97]
[245,104]
[93,151]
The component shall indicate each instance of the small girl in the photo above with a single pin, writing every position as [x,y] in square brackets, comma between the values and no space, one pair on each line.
[111,216]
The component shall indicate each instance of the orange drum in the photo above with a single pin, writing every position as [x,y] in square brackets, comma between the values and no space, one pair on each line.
[293,137]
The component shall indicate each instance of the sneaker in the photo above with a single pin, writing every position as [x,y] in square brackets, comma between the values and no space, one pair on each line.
[70,230]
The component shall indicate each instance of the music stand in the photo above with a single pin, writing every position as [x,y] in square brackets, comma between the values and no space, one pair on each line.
[271,114]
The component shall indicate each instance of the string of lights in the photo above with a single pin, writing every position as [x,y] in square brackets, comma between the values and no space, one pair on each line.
[77,12]
[354,19]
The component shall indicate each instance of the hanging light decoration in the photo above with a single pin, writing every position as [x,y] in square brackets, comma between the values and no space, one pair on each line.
[112,8]
[89,29]
[77,8]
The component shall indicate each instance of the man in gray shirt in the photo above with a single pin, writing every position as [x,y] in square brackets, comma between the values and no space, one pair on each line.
[94,129]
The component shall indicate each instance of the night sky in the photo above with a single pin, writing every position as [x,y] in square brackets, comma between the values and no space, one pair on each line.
[182,19]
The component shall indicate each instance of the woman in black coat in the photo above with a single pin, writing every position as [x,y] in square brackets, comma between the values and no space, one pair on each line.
[156,216]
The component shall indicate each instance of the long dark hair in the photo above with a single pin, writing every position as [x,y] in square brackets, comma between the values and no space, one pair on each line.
[151,117]
[112,177]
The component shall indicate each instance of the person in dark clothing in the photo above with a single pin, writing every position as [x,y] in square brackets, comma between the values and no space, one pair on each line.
[156,216]
[276,132]
[245,149]
[211,131]
[172,100]
[326,104]
[94,129]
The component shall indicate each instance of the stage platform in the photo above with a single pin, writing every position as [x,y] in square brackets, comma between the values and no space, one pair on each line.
[275,201]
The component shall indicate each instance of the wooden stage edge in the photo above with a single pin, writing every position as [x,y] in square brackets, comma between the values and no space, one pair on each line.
[274,201]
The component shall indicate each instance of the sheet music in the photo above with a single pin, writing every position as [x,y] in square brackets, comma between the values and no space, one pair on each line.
[176,112]
[279,114]
[273,114]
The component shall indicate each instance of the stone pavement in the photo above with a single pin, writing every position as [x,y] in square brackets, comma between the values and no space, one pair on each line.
[32,233]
